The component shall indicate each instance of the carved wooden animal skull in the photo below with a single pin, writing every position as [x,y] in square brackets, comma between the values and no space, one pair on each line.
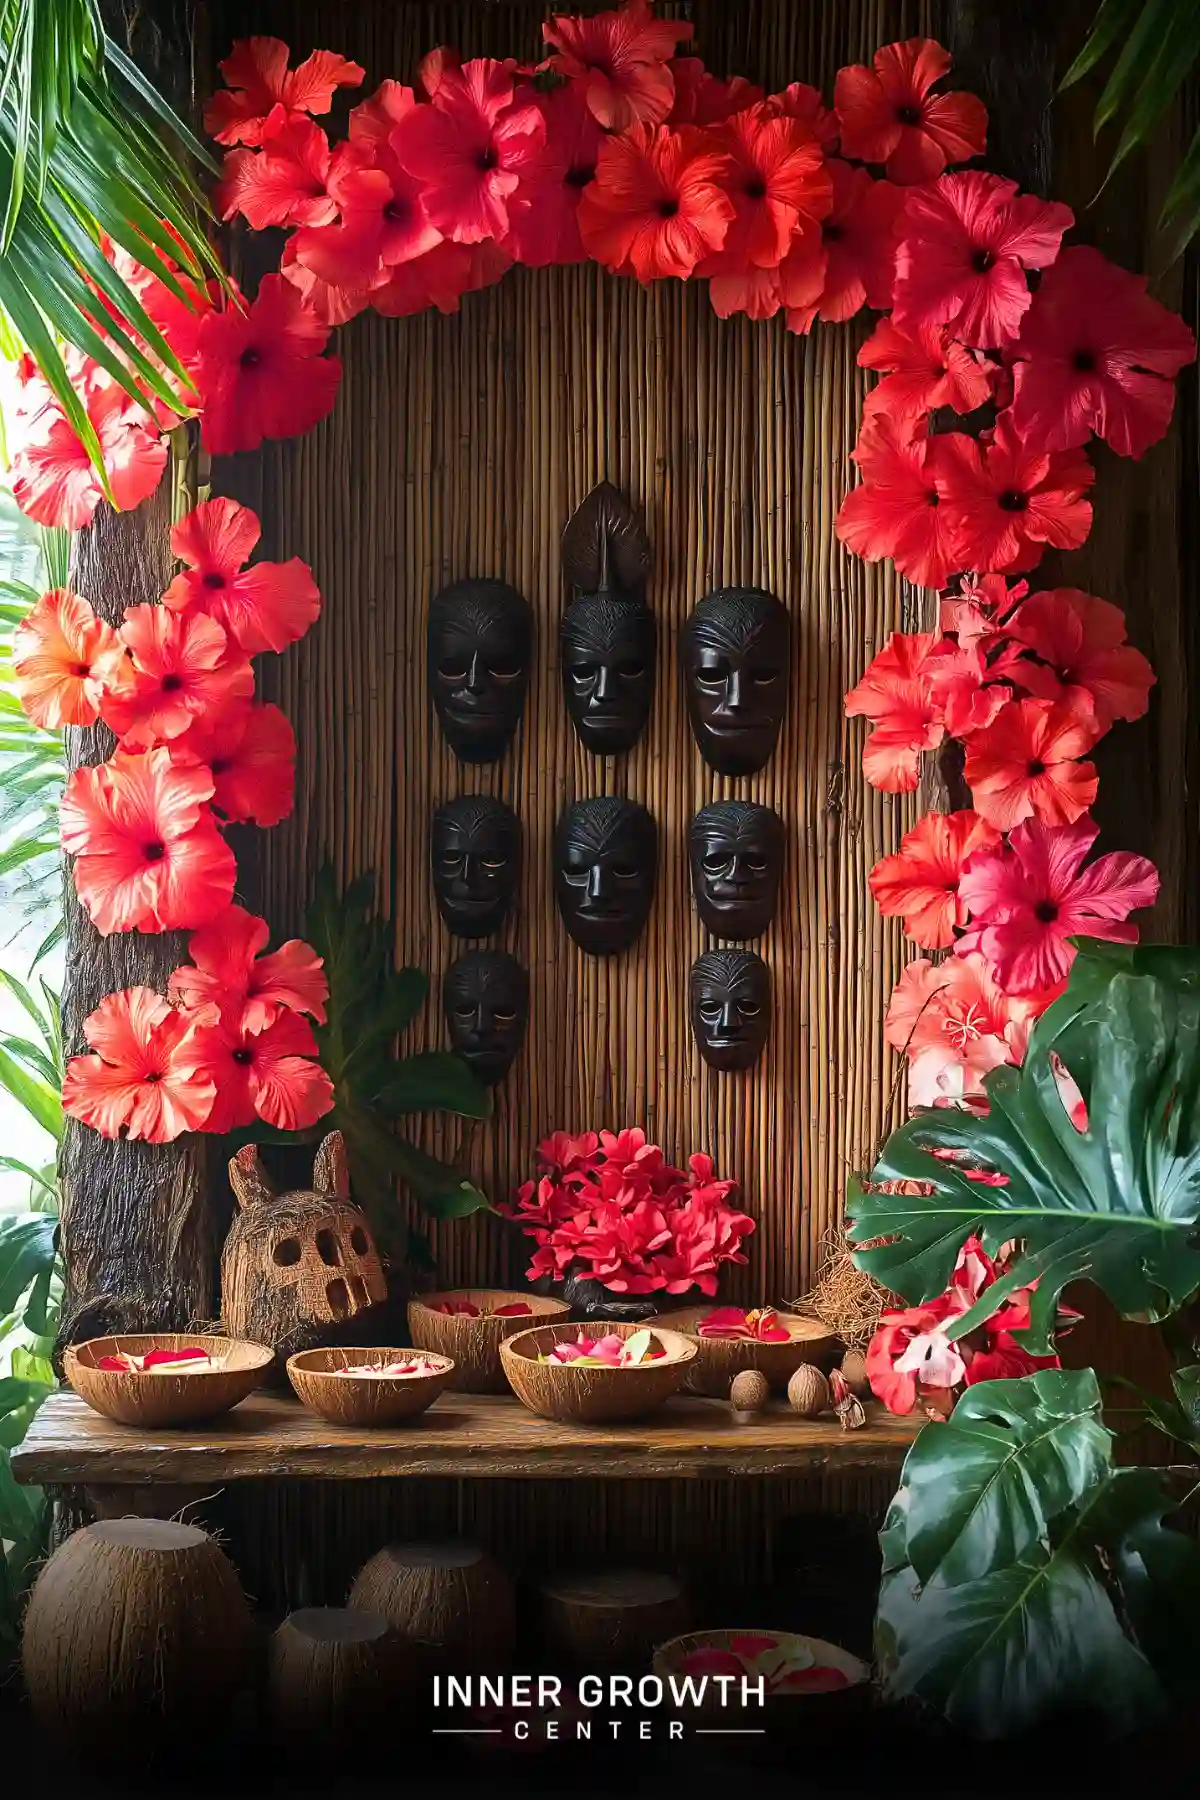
[296,1266]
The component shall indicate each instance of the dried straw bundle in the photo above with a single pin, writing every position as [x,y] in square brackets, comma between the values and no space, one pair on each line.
[450,1600]
[844,1297]
[135,1630]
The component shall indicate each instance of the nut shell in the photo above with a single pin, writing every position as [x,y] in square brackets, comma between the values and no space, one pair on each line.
[808,1391]
[854,1368]
[749,1391]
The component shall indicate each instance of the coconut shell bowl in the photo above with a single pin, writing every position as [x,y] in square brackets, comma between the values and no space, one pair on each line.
[324,1386]
[578,1393]
[813,1689]
[719,1359]
[470,1324]
[162,1392]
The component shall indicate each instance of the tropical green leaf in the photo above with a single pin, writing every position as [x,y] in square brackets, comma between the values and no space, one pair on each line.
[15,1167]
[41,1101]
[1110,25]
[1135,59]
[1117,1202]
[27,1249]
[435,1081]
[1032,1580]
[1012,1456]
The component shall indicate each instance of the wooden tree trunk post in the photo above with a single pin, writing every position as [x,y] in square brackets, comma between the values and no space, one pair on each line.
[136,1235]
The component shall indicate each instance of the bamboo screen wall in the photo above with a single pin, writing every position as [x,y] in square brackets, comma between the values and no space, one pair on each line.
[458,447]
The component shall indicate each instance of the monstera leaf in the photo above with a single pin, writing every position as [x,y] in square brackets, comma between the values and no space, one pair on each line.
[1024,1575]
[1117,1201]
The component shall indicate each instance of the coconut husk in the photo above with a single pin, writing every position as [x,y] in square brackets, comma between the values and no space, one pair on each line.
[135,1630]
[335,1678]
[590,1395]
[844,1297]
[364,1399]
[718,1360]
[474,1343]
[177,1399]
[608,1618]
[449,1600]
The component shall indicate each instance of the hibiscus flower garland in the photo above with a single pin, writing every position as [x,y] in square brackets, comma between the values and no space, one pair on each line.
[623,148]
[231,1041]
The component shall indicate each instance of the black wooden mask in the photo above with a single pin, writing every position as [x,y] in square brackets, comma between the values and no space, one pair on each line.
[730,997]
[480,648]
[605,864]
[736,651]
[609,639]
[735,851]
[475,858]
[485,997]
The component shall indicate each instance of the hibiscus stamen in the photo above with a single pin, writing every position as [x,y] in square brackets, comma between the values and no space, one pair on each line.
[580,176]
[1035,767]
[214,579]
[909,115]
[755,189]
[1084,361]
[171,684]
[486,160]
[1045,912]
[243,1056]
[250,357]
[982,261]
[154,851]
[1012,500]
[668,208]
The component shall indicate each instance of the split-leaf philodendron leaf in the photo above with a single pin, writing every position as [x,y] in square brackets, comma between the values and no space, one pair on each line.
[1025,1576]
[1117,1202]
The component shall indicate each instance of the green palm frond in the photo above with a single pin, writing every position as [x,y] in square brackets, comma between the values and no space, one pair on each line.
[1158,46]
[89,149]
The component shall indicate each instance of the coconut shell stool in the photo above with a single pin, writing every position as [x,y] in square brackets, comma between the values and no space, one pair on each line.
[449,1600]
[136,1630]
[611,1618]
[337,1677]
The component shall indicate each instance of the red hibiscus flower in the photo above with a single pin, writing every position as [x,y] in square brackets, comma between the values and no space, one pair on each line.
[657,205]
[469,150]
[333,303]
[1027,901]
[621,60]
[1071,646]
[286,183]
[778,183]
[1006,500]
[1097,354]
[383,218]
[260,373]
[228,970]
[543,217]
[143,1079]
[266,607]
[853,263]
[64,660]
[923,370]
[148,855]
[909,1351]
[965,688]
[179,670]
[976,613]
[250,755]
[53,478]
[895,695]
[269,1074]
[965,245]
[1025,764]
[898,511]
[702,98]
[440,279]
[800,101]
[886,114]
[954,1024]
[919,883]
[260,82]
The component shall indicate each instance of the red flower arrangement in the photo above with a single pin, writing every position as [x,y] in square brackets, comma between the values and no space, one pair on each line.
[609,1206]
[911,1360]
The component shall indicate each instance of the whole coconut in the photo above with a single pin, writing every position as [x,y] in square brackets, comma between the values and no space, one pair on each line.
[808,1391]
[749,1391]
[135,1630]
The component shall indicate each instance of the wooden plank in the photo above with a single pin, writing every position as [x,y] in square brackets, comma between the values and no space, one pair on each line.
[464,1435]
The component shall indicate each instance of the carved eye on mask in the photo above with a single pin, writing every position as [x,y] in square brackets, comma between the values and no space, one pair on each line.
[479,652]
[730,1001]
[736,649]
[605,866]
[475,861]
[735,852]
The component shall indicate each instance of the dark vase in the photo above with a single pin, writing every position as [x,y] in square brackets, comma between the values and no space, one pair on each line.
[590,1299]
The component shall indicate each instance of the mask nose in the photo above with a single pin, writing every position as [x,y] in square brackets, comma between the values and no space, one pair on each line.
[733,691]
[728,1021]
[474,876]
[598,883]
[475,681]
[603,690]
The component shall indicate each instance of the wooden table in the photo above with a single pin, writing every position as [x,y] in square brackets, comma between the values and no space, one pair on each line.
[464,1435]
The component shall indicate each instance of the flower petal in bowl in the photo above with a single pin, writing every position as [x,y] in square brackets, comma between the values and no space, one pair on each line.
[160,1378]
[588,1389]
